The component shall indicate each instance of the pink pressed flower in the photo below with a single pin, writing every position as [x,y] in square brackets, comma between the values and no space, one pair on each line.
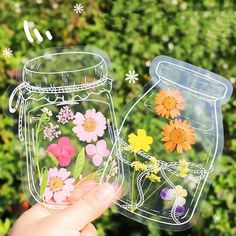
[59,186]
[50,132]
[89,126]
[63,151]
[65,115]
[98,152]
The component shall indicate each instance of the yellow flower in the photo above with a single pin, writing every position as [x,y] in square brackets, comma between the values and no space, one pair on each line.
[139,166]
[153,160]
[183,173]
[183,168]
[153,165]
[153,178]
[140,141]
[181,192]
[183,162]
[155,169]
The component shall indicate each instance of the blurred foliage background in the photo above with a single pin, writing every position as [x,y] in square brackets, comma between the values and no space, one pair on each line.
[132,33]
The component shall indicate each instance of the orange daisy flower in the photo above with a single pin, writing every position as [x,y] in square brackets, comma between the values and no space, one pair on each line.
[169,103]
[178,134]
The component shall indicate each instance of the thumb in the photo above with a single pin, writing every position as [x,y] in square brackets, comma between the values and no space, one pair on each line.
[87,208]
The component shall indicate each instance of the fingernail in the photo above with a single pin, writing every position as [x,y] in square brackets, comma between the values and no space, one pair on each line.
[104,192]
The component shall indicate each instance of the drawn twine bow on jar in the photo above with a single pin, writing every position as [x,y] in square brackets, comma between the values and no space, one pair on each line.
[197,170]
[26,92]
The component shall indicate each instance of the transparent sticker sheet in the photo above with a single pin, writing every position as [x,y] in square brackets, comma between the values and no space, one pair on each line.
[66,124]
[169,141]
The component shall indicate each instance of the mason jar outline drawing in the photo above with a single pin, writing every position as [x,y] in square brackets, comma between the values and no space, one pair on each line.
[25,92]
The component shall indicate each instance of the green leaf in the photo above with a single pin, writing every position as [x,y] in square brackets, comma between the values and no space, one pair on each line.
[53,158]
[5,227]
[44,182]
[79,165]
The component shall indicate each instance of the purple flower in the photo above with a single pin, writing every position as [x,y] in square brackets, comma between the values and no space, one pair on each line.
[180,210]
[65,115]
[168,194]
[50,132]
[164,193]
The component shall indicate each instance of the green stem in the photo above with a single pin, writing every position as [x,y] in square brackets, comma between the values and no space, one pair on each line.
[147,188]
[156,190]
[132,192]
[38,128]
[90,176]
[132,187]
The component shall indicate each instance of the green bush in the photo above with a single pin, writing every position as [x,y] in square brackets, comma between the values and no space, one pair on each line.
[132,33]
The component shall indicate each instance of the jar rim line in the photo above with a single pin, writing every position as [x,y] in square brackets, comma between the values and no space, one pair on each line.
[62,72]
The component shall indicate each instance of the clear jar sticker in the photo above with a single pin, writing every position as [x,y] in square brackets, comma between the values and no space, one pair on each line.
[66,123]
[170,138]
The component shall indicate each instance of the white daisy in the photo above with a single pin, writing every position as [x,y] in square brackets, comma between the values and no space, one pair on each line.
[131,77]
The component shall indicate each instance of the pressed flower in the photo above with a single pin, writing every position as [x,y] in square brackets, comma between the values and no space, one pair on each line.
[178,135]
[168,194]
[153,160]
[51,131]
[178,194]
[65,115]
[191,181]
[183,162]
[139,166]
[155,169]
[153,165]
[113,171]
[114,168]
[153,178]
[46,111]
[140,141]
[169,103]
[98,152]
[181,192]
[59,185]
[183,172]
[89,126]
[183,168]
[63,151]
[180,210]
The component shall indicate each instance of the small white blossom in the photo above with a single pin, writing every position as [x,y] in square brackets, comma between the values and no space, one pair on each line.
[131,77]
[216,218]
[183,6]
[191,181]
[114,168]
[47,111]
[17,7]
[78,8]
[171,46]
[7,52]
[174,2]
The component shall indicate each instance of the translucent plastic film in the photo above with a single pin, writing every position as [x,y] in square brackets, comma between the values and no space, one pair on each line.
[66,123]
[163,155]
[169,141]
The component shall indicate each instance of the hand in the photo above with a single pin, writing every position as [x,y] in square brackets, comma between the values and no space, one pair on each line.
[89,202]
